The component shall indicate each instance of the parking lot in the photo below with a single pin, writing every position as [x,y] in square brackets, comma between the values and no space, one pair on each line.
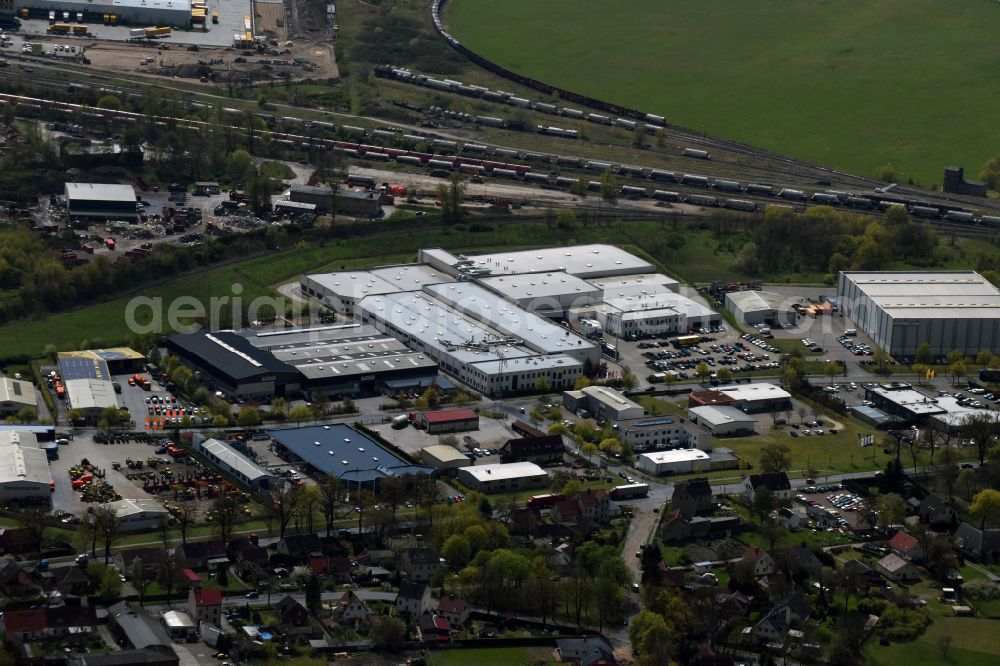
[844,507]
[491,435]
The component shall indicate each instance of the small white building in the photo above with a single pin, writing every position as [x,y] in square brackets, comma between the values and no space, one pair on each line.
[442,457]
[503,477]
[91,396]
[664,432]
[139,514]
[235,464]
[760,307]
[16,395]
[757,397]
[24,469]
[722,420]
[603,403]
[178,624]
[677,461]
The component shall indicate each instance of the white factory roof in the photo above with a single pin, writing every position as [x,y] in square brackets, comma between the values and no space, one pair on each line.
[580,260]
[132,507]
[234,459]
[911,399]
[954,412]
[753,301]
[675,456]
[930,295]
[177,620]
[525,363]
[751,392]
[642,306]
[608,396]
[631,285]
[22,460]
[721,414]
[501,471]
[100,192]
[536,286]
[538,333]
[17,391]
[355,285]
[90,393]
[444,453]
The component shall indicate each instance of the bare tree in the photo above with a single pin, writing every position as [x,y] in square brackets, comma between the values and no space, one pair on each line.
[108,525]
[981,427]
[286,503]
[226,513]
[185,515]
[168,574]
[332,496]
[139,575]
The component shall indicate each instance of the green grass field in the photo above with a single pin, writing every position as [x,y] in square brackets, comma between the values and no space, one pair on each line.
[854,84]
[973,642]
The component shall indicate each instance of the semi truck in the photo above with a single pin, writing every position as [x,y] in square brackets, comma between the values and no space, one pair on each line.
[631,491]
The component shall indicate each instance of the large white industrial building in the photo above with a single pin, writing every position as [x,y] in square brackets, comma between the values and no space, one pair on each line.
[603,403]
[16,395]
[176,13]
[25,476]
[235,464]
[550,294]
[723,420]
[760,307]
[900,310]
[676,461]
[342,291]
[503,477]
[582,261]
[485,341]
[101,201]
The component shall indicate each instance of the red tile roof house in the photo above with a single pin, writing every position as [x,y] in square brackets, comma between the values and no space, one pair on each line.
[763,563]
[337,568]
[205,605]
[193,579]
[906,546]
[21,626]
[350,608]
[434,629]
[566,511]
[456,611]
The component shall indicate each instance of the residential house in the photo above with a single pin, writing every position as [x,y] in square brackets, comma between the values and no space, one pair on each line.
[151,656]
[977,544]
[794,517]
[706,656]
[775,482]
[375,555]
[23,626]
[586,651]
[419,564]
[338,569]
[201,555]
[692,497]
[935,512]
[560,557]
[413,599]
[771,627]
[896,569]
[670,577]
[785,614]
[191,577]
[137,629]
[300,545]
[864,572]
[760,560]
[18,541]
[566,511]
[291,612]
[14,580]
[205,605]
[675,527]
[456,611]
[350,608]
[73,581]
[595,506]
[434,629]
[801,560]
[246,550]
[732,604]
[793,608]
[150,558]
[539,450]
[906,546]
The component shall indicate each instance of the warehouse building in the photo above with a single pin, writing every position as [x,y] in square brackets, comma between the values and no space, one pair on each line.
[602,403]
[676,461]
[344,453]
[342,291]
[90,396]
[234,464]
[760,307]
[350,359]
[175,13]
[139,514]
[448,420]
[901,402]
[231,364]
[503,478]
[549,294]
[637,284]
[900,310]
[663,432]
[99,201]
[88,376]
[758,397]
[16,395]
[723,420]
[582,261]
[25,477]
[488,343]
[106,362]
[539,449]
[366,203]
[442,457]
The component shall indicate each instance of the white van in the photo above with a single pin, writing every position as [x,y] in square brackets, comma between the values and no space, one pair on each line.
[851,332]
